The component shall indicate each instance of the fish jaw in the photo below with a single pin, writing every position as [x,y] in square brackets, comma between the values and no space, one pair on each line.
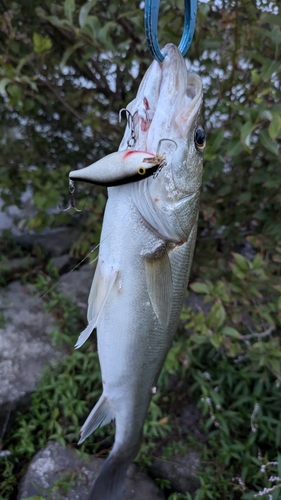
[167,101]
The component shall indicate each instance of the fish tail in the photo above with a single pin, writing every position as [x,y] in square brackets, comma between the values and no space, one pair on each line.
[110,483]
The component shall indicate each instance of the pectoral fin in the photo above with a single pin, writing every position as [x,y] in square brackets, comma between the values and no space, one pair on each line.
[103,282]
[159,284]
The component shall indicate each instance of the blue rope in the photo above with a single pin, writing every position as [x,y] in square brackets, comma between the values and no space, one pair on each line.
[151,26]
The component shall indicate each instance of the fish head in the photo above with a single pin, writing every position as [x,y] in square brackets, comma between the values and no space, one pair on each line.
[186,162]
[166,117]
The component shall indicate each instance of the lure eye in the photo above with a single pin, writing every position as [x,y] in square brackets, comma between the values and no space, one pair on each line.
[141,170]
[200,139]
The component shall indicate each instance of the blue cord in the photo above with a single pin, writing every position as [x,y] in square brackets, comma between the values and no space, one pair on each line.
[151,27]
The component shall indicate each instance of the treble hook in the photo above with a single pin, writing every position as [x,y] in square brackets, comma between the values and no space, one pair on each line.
[159,144]
[132,141]
[161,158]
[72,201]
[151,23]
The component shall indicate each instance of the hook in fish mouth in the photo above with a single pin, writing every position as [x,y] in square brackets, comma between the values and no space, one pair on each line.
[164,139]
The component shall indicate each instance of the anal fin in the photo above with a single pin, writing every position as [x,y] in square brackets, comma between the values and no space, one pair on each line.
[100,415]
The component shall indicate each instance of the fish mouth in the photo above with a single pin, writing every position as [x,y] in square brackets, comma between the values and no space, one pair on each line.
[167,104]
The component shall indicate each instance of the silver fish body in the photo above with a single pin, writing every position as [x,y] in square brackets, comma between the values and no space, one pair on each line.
[146,250]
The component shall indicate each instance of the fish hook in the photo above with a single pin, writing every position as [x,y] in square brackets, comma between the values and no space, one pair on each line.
[151,22]
[163,162]
[132,141]
[159,144]
[72,201]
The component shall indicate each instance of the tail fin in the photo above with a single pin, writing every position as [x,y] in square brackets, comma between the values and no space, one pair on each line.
[100,415]
[110,483]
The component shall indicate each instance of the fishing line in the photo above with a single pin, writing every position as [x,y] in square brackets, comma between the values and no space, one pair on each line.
[65,275]
[86,256]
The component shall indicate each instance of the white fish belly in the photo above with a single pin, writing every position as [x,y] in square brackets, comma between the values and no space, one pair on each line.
[132,345]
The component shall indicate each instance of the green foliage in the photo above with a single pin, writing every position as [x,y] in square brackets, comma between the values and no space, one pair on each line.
[242,325]
[58,117]
[66,68]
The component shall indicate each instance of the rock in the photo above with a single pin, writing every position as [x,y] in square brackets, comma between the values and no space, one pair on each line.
[189,422]
[180,471]
[197,303]
[64,263]
[77,284]
[10,218]
[246,249]
[14,268]
[25,346]
[54,464]
[54,242]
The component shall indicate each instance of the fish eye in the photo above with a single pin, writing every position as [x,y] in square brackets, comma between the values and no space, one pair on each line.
[200,139]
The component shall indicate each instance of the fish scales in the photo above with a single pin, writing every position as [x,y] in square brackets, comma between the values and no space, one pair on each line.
[146,250]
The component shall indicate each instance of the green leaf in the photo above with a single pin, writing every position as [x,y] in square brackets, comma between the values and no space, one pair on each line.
[69,52]
[241,261]
[255,77]
[92,27]
[84,11]
[244,197]
[199,287]
[69,9]
[268,143]
[221,291]
[3,84]
[269,68]
[230,332]
[245,133]
[41,44]
[265,115]
[275,126]
[234,148]
[217,315]
[216,340]
[104,33]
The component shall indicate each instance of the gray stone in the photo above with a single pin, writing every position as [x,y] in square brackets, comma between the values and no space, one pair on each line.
[64,263]
[246,249]
[14,268]
[54,242]
[189,422]
[180,471]
[55,463]
[25,346]
[197,303]
[76,285]
[11,216]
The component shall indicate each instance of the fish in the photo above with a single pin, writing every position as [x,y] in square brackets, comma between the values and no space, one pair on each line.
[145,254]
